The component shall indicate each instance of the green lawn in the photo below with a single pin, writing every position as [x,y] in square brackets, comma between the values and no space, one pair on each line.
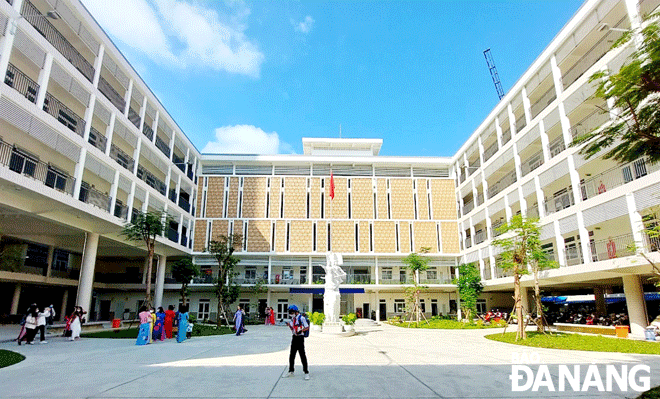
[198,331]
[7,358]
[447,325]
[653,393]
[596,343]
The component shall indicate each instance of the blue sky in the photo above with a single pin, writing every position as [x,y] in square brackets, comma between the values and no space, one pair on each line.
[256,77]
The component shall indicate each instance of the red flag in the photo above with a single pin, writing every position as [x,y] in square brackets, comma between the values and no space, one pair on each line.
[332,186]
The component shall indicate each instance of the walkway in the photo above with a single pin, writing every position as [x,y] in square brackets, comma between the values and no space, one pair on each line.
[386,362]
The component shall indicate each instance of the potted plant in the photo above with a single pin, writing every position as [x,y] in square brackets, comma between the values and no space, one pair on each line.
[349,321]
[317,320]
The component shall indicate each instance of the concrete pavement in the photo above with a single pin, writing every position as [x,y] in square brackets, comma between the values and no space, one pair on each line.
[384,362]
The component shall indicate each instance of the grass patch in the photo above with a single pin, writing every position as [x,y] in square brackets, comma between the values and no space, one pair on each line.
[447,325]
[199,330]
[7,358]
[653,393]
[596,343]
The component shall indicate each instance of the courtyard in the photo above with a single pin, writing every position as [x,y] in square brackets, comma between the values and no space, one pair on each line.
[380,362]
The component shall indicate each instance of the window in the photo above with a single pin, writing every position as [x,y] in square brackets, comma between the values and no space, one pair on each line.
[250,274]
[432,274]
[389,207]
[399,305]
[349,205]
[267,202]
[245,304]
[60,260]
[55,179]
[322,206]
[357,238]
[402,276]
[386,273]
[272,238]
[329,239]
[415,204]
[412,243]
[303,275]
[287,272]
[437,230]
[245,235]
[371,237]
[288,240]
[203,212]
[36,256]
[307,204]
[396,236]
[428,197]
[375,207]
[204,309]
[314,237]
[282,203]
[240,203]
[481,306]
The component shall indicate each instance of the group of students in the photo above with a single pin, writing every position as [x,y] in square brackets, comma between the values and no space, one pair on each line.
[160,324]
[34,322]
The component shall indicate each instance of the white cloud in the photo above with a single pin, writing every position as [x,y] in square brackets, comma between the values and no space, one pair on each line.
[180,34]
[305,25]
[246,139]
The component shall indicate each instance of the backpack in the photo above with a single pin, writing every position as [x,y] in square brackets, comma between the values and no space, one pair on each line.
[306,333]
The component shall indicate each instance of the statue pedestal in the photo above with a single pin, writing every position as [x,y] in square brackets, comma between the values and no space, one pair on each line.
[332,328]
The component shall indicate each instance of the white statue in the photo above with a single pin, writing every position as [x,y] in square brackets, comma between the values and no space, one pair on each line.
[334,276]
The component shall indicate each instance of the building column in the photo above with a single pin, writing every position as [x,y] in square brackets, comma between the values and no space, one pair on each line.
[42,81]
[377,307]
[560,244]
[636,223]
[89,115]
[15,299]
[268,299]
[491,260]
[109,132]
[49,260]
[78,173]
[540,196]
[160,281]
[65,300]
[545,142]
[127,97]
[498,132]
[527,107]
[310,303]
[113,192]
[523,201]
[86,280]
[585,240]
[632,288]
[459,314]
[601,306]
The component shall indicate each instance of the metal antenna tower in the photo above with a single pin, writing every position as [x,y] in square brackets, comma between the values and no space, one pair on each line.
[493,73]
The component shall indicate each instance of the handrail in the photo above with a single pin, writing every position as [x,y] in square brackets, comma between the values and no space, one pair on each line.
[122,158]
[111,94]
[134,117]
[97,139]
[20,82]
[64,114]
[161,145]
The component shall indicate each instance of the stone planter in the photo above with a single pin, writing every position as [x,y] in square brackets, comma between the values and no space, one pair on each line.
[349,327]
[316,328]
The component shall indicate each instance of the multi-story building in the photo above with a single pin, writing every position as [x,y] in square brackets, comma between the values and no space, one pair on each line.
[85,144]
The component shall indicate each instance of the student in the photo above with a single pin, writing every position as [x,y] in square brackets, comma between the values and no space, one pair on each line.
[30,325]
[76,323]
[189,330]
[41,324]
[170,316]
[145,326]
[159,330]
[238,320]
[298,326]
[183,324]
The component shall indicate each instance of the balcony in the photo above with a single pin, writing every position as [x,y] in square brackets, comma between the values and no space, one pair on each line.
[23,164]
[559,202]
[590,122]
[179,162]
[284,281]
[111,94]
[468,207]
[521,122]
[121,210]
[190,173]
[97,139]
[184,240]
[480,199]
[613,247]
[468,242]
[21,83]
[490,151]
[204,279]
[506,136]
[615,177]
[531,163]
[479,237]
[184,204]
[573,255]
[134,117]
[151,180]
[494,228]
[546,99]
[557,146]
[92,196]
[533,211]
[122,158]
[173,235]
[503,183]
[148,131]
[160,144]
[358,279]
[54,37]
[64,115]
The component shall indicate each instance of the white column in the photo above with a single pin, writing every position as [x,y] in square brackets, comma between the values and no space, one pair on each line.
[459,314]
[44,77]
[131,200]
[498,132]
[89,113]
[270,271]
[507,209]
[377,305]
[489,224]
[526,106]
[512,121]
[575,179]
[136,154]
[310,269]
[127,97]
[15,299]
[517,162]
[377,272]
[86,280]
[491,259]
[545,142]
[636,223]
[113,192]
[635,21]
[160,281]
[98,64]
[540,196]
[481,151]
[560,244]
[310,302]
[268,299]
[6,44]
[482,266]
[556,76]
[523,202]
[78,172]
[109,132]
[49,260]
[636,304]
[179,229]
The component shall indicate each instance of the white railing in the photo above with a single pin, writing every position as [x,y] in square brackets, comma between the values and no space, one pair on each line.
[573,255]
[469,206]
[613,247]
[532,163]
[479,237]
[490,151]
[557,146]
[616,177]
[506,181]
[546,99]
[559,202]
[590,122]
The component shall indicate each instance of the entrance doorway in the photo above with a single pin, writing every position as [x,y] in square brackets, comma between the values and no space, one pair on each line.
[282,309]
[317,303]
[383,311]
[367,311]
[262,307]
[434,307]
[104,309]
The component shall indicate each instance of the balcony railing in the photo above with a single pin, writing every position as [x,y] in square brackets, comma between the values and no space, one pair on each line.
[122,158]
[179,162]
[151,180]
[172,195]
[54,37]
[596,52]
[21,83]
[532,163]
[613,247]
[97,139]
[285,281]
[480,199]
[479,237]
[490,151]
[205,279]
[358,279]
[503,183]
[652,244]
[467,207]
[121,210]
[521,122]
[506,136]
[546,99]
[184,204]
[590,122]
[25,165]
[573,255]
[557,146]
[111,94]
[64,114]
[615,177]
[134,117]
[92,196]
[148,131]
[468,242]
[494,228]
[559,202]
[533,211]
[190,173]
[160,144]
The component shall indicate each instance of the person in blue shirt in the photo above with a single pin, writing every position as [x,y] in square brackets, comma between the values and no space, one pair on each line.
[298,326]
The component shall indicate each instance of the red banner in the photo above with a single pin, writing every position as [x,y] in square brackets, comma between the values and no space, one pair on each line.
[332,186]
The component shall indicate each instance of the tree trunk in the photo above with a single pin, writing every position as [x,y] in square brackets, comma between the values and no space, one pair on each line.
[184,288]
[150,262]
[220,312]
[540,325]
[520,334]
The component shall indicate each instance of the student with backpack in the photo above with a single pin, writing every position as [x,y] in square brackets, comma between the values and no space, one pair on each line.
[300,329]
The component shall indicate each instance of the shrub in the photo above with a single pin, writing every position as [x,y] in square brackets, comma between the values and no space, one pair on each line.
[317,318]
[192,318]
[349,319]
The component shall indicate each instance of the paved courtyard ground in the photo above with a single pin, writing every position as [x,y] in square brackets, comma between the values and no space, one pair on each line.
[383,362]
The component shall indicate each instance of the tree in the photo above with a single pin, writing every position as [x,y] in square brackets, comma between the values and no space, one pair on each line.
[223,250]
[183,271]
[416,263]
[469,288]
[539,261]
[521,249]
[146,226]
[635,94]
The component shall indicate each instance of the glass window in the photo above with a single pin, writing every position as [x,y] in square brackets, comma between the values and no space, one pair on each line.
[399,305]
[386,274]
[250,273]
[204,309]
[60,260]
[431,274]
